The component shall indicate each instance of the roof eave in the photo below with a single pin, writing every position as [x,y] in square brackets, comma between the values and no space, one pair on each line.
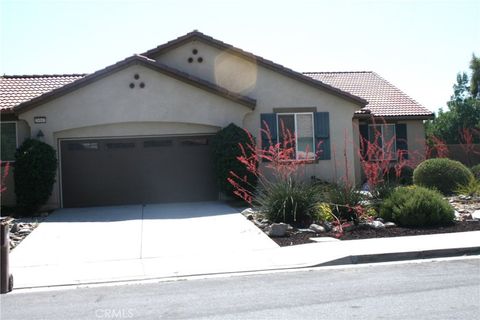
[395,117]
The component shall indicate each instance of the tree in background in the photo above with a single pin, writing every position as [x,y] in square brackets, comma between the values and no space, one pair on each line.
[463,109]
[475,80]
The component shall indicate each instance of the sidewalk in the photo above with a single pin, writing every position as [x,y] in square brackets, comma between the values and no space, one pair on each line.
[301,256]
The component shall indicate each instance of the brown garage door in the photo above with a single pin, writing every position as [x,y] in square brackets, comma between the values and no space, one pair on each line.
[99,172]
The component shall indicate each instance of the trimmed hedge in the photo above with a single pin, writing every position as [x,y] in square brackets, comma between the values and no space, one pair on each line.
[476,171]
[442,174]
[226,149]
[34,175]
[417,207]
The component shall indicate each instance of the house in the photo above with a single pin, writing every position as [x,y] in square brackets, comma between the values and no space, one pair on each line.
[138,131]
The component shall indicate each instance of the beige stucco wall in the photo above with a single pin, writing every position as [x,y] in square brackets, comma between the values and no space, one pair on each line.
[274,90]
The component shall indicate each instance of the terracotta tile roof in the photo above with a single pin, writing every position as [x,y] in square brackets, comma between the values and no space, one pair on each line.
[15,90]
[384,99]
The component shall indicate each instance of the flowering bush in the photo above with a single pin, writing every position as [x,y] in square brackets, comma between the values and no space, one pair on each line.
[281,194]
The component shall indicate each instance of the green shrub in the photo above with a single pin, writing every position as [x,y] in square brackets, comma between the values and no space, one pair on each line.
[343,199]
[476,171]
[472,188]
[34,175]
[226,149]
[288,201]
[323,212]
[417,207]
[442,174]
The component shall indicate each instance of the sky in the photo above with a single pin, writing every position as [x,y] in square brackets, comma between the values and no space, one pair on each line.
[419,46]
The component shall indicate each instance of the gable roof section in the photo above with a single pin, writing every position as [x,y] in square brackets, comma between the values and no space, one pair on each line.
[15,90]
[136,59]
[384,99]
[196,35]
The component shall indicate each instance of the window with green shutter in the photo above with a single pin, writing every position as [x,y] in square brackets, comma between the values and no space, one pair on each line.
[8,140]
[311,131]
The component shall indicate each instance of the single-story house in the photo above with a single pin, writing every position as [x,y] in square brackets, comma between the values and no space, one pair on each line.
[139,130]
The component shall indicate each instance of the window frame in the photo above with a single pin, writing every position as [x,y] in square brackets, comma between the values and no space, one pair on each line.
[313,151]
[16,139]
[382,126]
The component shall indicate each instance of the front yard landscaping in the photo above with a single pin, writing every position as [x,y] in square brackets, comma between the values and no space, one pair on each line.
[399,196]
[467,218]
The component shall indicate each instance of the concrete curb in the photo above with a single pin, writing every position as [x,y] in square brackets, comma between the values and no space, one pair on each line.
[402,256]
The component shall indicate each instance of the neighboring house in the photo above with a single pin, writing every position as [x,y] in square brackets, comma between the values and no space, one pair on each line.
[138,131]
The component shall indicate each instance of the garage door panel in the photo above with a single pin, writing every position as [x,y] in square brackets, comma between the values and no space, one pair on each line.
[132,171]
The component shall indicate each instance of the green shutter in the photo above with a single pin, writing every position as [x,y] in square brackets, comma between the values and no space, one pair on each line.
[322,135]
[8,141]
[401,136]
[363,129]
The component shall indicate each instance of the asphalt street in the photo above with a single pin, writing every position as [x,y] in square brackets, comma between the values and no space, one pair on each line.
[439,289]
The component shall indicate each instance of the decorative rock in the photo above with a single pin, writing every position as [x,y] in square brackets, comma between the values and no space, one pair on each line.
[14,228]
[476,214]
[265,221]
[389,225]
[259,224]
[248,211]
[376,224]
[250,216]
[278,229]
[306,230]
[457,215]
[317,228]
[380,219]
[327,225]
[24,231]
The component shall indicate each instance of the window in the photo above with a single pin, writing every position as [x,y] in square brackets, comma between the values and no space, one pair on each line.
[194,142]
[8,140]
[78,146]
[383,135]
[157,143]
[297,127]
[120,145]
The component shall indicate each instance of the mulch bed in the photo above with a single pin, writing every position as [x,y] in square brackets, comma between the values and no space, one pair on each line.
[295,238]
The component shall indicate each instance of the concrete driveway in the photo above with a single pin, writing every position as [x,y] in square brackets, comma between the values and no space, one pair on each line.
[108,234]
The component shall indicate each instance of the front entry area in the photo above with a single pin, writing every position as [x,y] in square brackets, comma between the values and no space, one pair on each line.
[99,172]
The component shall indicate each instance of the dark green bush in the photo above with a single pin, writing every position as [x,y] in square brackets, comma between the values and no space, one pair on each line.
[476,171]
[289,201]
[226,149]
[344,198]
[417,207]
[442,174]
[34,175]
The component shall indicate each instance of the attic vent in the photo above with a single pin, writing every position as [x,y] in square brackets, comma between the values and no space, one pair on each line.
[194,51]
